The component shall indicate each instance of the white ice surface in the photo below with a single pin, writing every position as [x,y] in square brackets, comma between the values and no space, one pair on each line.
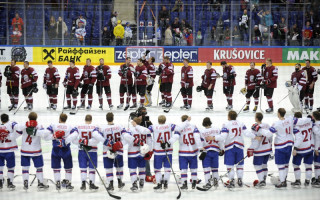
[219,116]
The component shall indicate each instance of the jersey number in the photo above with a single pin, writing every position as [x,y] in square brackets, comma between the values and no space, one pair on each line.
[165,139]
[288,130]
[141,137]
[236,131]
[305,133]
[29,140]
[265,141]
[188,139]
[86,135]
[116,137]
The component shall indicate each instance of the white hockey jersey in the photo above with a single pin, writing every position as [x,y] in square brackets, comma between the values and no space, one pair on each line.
[91,133]
[232,134]
[143,134]
[284,133]
[162,133]
[211,145]
[316,132]
[263,147]
[303,137]
[31,145]
[9,144]
[70,133]
[189,140]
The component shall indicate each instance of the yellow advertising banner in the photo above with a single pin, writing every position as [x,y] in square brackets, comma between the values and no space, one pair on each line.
[63,55]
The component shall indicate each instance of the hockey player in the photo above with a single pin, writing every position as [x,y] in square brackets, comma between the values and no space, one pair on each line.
[62,135]
[8,145]
[208,83]
[166,71]
[71,82]
[229,81]
[269,83]
[151,70]
[32,133]
[88,77]
[189,144]
[126,85]
[316,131]
[113,151]
[88,138]
[186,84]
[140,82]
[298,79]
[210,156]
[260,149]
[29,79]
[303,148]
[103,83]
[12,73]
[51,80]
[139,150]
[312,77]
[232,134]
[283,129]
[252,81]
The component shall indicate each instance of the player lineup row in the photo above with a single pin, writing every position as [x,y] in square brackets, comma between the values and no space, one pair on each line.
[289,135]
[139,80]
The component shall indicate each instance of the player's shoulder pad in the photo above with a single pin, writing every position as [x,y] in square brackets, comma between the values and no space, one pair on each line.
[224,130]
[295,131]
[272,129]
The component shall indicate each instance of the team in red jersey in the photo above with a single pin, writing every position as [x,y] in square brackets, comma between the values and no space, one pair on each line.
[71,82]
[298,79]
[140,82]
[229,81]
[252,81]
[12,73]
[126,84]
[208,83]
[166,72]
[269,83]
[186,84]
[51,80]
[29,79]
[89,77]
[151,70]
[103,83]
[312,77]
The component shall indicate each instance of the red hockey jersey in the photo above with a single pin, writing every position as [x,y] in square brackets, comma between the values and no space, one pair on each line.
[227,72]
[299,78]
[72,77]
[311,74]
[142,77]
[51,76]
[208,78]
[186,77]
[126,79]
[167,73]
[89,75]
[252,78]
[28,76]
[151,69]
[270,76]
[106,71]
[13,80]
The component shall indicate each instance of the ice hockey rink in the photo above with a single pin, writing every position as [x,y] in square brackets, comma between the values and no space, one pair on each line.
[197,113]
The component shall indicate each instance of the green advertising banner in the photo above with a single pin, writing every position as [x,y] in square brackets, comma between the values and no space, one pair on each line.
[298,55]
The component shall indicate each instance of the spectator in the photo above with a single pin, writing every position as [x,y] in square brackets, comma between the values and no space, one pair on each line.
[177,36]
[243,24]
[265,33]
[81,20]
[199,38]
[17,22]
[256,35]
[262,15]
[127,34]
[184,39]
[176,24]
[164,16]
[283,29]
[185,25]
[215,4]
[178,6]
[80,34]
[227,33]
[219,32]
[276,34]
[62,28]
[106,36]
[236,33]
[168,36]
[159,35]
[316,33]
[268,18]
[52,28]
[190,37]
[294,35]
[16,35]
[307,34]
[113,22]
[118,32]
[213,31]
[312,18]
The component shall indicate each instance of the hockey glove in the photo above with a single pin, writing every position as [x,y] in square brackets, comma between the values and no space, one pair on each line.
[84,145]
[249,152]
[148,155]
[3,135]
[165,145]
[202,155]
[31,127]
[116,146]
[44,86]
[80,85]
[58,134]
[62,143]
[90,85]
[255,127]
[75,92]
[221,152]
[147,52]
[34,85]
[230,77]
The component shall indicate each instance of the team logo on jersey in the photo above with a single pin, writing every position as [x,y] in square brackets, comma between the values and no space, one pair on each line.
[294,81]
[267,74]
[26,78]
[48,54]
[225,75]
[86,74]
[252,78]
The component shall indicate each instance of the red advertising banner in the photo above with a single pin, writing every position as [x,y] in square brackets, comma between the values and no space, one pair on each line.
[240,55]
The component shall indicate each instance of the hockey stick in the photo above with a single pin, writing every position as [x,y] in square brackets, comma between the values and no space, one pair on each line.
[73,113]
[24,100]
[220,177]
[166,111]
[64,98]
[246,102]
[11,93]
[158,92]
[174,174]
[283,98]
[111,195]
